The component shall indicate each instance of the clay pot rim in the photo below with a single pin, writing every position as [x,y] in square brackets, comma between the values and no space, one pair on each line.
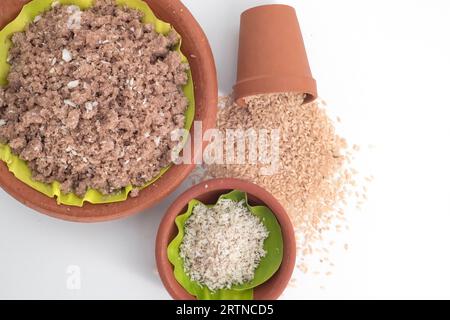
[195,44]
[266,291]
[239,97]
[308,97]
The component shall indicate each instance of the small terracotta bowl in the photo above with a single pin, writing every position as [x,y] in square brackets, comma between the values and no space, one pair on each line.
[196,48]
[208,192]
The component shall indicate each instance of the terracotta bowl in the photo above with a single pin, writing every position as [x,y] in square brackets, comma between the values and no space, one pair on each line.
[208,192]
[196,48]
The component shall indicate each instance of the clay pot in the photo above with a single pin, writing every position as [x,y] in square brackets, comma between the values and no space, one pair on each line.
[196,48]
[272,56]
[208,192]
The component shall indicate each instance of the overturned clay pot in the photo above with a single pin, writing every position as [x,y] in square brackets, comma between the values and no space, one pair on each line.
[272,56]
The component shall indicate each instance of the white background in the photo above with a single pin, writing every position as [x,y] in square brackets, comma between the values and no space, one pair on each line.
[384,67]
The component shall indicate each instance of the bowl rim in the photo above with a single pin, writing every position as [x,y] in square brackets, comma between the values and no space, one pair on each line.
[196,48]
[266,291]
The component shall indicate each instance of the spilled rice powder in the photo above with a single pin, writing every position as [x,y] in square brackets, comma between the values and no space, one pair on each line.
[222,245]
[314,179]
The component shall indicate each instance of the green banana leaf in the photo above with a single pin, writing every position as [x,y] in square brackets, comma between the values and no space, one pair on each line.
[19,167]
[266,269]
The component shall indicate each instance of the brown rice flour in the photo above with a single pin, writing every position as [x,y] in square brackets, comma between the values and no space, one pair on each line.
[92,98]
[312,179]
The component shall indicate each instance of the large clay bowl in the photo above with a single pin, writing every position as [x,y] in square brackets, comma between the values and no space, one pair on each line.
[196,48]
[208,192]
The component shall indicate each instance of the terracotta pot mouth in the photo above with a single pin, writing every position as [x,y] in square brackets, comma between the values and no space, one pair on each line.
[272,56]
[208,192]
[196,48]
[274,85]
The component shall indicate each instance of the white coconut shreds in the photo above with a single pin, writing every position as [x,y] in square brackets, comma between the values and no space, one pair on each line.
[223,245]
